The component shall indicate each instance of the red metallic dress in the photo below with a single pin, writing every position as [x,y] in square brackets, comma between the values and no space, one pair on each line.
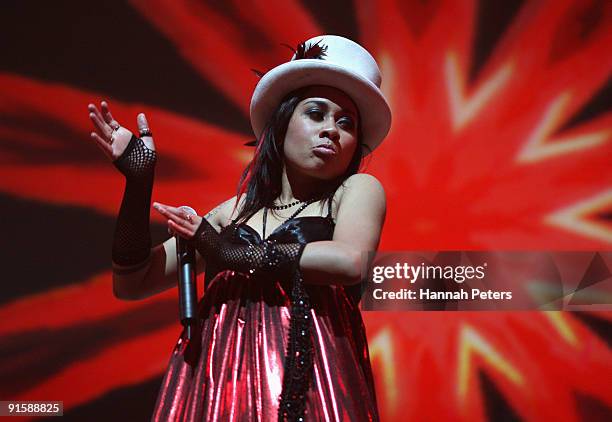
[235,371]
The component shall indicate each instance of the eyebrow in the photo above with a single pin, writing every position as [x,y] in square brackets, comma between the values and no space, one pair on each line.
[326,106]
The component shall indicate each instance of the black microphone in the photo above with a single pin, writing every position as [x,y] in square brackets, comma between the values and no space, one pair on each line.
[188,290]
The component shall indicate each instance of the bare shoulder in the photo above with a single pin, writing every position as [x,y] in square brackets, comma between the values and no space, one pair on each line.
[362,206]
[358,193]
[363,180]
[221,215]
[362,188]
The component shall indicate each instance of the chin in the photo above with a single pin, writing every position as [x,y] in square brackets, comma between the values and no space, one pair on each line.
[318,168]
[323,169]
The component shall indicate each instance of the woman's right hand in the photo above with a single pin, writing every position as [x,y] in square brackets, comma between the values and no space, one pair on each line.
[110,136]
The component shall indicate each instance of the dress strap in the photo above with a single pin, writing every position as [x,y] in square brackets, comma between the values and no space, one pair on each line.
[265,217]
[329,207]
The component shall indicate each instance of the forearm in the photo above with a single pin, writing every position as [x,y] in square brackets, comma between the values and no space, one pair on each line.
[132,239]
[158,274]
[321,262]
[127,281]
[134,283]
[331,262]
[268,258]
[132,254]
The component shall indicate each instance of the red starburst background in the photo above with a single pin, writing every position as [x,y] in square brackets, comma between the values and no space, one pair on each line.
[501,139]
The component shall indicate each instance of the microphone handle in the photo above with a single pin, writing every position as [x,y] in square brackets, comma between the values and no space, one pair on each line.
[187,282]
[188,289]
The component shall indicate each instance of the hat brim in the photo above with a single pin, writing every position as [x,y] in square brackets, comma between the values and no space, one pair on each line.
[277,83]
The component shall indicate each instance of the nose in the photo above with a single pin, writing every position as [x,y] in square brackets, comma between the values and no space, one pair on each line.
[330,131]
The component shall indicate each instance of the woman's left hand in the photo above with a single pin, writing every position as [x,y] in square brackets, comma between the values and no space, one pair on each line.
[179,221]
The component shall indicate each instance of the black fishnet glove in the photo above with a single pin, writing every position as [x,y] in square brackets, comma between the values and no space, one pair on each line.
[132,240]
[269,258]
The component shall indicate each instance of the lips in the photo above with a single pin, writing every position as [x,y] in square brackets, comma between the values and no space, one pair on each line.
[330,147]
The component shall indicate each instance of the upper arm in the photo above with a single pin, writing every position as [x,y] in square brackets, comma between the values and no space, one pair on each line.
[361,213]
[359,220]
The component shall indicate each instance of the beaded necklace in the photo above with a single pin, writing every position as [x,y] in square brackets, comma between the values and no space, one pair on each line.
[284,207]
[299,210]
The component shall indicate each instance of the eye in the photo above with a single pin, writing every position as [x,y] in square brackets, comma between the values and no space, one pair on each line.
[346,123]
[315,114]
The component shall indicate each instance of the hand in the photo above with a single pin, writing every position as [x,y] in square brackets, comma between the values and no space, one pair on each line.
[179,221]
[110,136]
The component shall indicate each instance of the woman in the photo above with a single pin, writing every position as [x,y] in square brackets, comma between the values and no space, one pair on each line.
[281,333]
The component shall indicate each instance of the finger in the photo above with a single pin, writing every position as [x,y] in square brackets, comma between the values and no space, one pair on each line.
[104,145]
[93,109]
[165,211]
[143,125]
[102,127]
[184,232]
[174,210]
[103,142]
[106,114]
[176,217]
[182,214]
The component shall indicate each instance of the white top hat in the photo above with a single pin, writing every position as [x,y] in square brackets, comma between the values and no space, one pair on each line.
[345,65]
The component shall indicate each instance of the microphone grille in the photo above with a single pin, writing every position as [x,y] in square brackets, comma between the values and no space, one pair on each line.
[188,210]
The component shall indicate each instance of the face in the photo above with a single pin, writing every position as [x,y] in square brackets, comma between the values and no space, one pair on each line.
[322,133]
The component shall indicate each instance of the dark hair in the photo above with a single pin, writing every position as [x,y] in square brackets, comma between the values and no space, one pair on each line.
[261,179]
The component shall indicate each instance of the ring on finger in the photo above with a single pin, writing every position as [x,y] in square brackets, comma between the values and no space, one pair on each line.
[188,217]
[145,131]
[112,137]
[114,125]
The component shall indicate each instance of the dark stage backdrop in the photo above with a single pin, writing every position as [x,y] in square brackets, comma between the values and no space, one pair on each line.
[501,139]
